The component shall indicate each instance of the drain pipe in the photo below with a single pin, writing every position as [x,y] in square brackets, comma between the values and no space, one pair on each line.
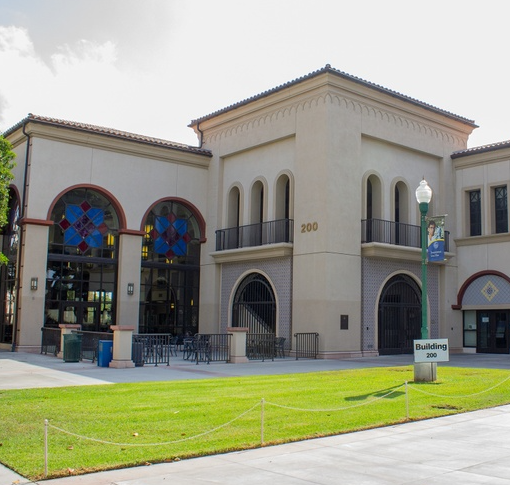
[20,240]
[201,135]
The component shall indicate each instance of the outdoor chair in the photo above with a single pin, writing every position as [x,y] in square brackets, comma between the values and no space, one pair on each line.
[279,349]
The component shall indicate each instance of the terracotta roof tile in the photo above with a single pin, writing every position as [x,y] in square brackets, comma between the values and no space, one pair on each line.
[328,69]
[482,149]
[111,132]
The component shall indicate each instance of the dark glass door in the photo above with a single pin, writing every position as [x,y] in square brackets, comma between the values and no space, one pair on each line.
[493,331]
[86,314]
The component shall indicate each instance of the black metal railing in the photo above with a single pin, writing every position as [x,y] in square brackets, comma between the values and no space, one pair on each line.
[207,347]
[260,346]
[397,233]
[50,340]
[90,343]
[271,232]
[307,345]
[153,349]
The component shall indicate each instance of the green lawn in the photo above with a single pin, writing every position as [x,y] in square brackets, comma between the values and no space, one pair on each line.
[131,424]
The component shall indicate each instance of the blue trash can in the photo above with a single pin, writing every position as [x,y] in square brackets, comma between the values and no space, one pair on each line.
[105,353]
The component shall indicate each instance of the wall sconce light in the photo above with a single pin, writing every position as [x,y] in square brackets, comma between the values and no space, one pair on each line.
[33,284]
[130,288]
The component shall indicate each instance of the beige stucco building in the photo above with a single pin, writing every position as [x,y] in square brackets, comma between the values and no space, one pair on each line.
[295,214]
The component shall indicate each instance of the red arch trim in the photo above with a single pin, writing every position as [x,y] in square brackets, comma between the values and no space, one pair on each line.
[113,200]
[465,286]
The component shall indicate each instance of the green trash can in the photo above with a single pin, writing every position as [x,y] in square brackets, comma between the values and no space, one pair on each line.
[72,347]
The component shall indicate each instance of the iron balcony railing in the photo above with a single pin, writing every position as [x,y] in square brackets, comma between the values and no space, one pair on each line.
[272,232]
[397,233]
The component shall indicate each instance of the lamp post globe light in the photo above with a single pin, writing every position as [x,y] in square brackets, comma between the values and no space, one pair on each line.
[423,196]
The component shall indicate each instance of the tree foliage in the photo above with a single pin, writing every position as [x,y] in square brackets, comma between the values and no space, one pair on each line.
[7,163]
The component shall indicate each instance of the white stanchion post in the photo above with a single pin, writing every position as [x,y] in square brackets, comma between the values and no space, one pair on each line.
[407,403]
[45,447]
[262,422]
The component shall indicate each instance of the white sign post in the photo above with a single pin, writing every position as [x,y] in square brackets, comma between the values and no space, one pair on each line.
[431,350]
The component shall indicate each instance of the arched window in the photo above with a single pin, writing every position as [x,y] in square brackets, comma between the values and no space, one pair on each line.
[170,270]
[257,203]
[233,218]
[81,275]
[372,226]
[233,207]
[282,209]
[8,272]
[373,198]
[401,203]
[256,213]
[282,227]
[255,305]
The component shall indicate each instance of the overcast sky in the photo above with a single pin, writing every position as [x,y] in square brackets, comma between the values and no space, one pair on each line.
[151,66]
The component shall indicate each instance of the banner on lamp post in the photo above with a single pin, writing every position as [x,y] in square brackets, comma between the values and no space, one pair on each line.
[435,238]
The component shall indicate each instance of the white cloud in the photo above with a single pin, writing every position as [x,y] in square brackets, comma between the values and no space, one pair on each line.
[151,69]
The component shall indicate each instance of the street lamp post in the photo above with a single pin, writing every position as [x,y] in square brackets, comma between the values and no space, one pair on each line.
[424,371]
[423,196]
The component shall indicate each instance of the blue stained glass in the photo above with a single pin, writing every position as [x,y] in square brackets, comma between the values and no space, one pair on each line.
[83,226]
[162,224]
[170,236]
[71,237]
[161,246]
[179,248]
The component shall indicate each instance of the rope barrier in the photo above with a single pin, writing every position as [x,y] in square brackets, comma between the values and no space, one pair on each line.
[153,444]
[460,396]
[263,403]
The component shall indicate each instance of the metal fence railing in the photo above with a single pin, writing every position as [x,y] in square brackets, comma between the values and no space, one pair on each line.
[50,340]
[90,343]
[260,346]
[307,345]
[207,347]
[153,349]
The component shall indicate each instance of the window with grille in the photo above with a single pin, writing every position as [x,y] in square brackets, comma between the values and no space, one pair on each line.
[500,209]
[475,213]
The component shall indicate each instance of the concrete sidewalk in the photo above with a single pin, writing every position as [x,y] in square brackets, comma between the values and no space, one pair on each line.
[470,448]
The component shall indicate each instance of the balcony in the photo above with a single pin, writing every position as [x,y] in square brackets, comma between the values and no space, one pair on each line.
[253,235]
[377,234]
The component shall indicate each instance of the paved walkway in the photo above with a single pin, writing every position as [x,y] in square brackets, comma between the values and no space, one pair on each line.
[470,448]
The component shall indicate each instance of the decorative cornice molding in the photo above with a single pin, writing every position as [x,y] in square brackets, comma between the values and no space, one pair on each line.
[246,124]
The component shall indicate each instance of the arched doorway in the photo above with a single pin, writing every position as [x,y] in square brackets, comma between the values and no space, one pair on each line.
[399,315]
[254,305]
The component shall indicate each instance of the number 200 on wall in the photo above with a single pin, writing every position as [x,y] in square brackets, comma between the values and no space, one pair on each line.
[309,227]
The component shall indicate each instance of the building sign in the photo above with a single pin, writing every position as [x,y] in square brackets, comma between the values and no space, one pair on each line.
[436,350]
